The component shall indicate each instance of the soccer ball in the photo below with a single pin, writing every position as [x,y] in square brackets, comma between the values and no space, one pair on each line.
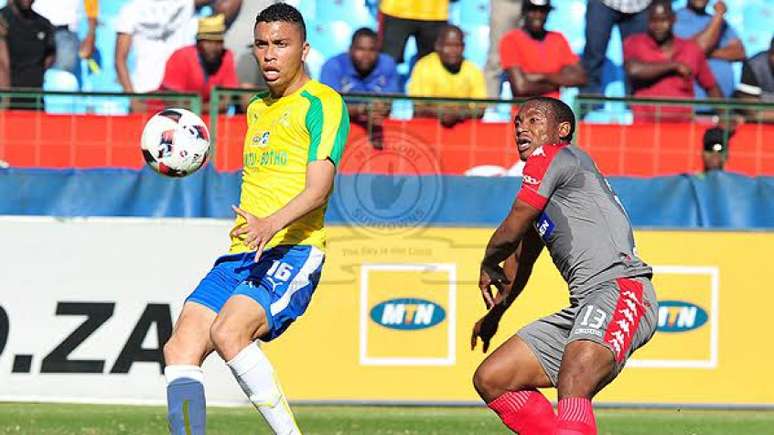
[175,142]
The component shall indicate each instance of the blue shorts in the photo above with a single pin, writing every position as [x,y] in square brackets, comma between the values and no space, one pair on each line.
[282,281]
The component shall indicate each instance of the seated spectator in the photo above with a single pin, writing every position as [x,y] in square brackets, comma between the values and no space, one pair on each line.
[757,84]
[198,68]
[153,29]
[715,148]
[363,70]
[660,64]
[538,61]
[716,37]
[27,50]
[400,19]
[446,73]
[63,14]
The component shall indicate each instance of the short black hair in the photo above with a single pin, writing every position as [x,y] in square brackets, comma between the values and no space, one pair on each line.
[560,110]
[283,12]
[449,27]
[363,31]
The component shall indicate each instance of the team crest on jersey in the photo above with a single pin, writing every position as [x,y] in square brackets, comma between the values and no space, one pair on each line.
[538,152]
[262,140]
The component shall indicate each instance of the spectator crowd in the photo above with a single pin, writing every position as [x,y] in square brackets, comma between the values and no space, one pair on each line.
[686,52]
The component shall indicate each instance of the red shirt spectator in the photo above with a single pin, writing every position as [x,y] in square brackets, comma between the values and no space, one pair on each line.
[199,67]
[538,61]
[184,73]
[659,64]
[643,48]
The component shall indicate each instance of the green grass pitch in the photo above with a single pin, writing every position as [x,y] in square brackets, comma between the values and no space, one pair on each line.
[32,418]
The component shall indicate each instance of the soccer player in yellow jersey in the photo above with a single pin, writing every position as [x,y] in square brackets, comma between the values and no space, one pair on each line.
[295,138]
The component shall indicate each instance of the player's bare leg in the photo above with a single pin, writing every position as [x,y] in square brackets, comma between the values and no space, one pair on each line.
[586,368]
[508,380]
[184,353]
[511,367]
[241,321]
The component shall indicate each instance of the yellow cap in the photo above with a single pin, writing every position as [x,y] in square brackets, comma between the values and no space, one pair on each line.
[212,28]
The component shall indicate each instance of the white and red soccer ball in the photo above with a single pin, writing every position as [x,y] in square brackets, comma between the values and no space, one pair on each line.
[175,142]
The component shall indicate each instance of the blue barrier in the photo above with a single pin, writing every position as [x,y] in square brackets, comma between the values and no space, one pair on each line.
[717,200]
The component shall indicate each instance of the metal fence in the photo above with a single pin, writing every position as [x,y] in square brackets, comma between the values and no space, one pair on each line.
[453,136]
[79,129]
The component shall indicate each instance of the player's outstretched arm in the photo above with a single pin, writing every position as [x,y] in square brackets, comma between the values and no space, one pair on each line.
[504,242]
[517,269]
[257,231]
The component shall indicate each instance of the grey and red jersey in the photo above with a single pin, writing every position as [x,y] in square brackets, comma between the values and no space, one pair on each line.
[582,222]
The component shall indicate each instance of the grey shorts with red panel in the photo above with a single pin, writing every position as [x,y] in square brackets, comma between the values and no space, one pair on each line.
[620,314]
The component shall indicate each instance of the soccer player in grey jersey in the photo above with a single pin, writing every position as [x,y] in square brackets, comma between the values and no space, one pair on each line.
[568,206]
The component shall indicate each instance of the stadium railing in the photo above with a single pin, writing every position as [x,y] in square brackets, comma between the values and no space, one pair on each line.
[654,136]
[621,145]
[70,130]
[58,129]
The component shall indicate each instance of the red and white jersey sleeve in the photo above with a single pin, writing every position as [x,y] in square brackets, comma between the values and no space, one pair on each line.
[547,169]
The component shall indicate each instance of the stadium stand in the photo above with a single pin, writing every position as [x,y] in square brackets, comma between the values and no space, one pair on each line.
[607,132]
[90,230]
[331,24]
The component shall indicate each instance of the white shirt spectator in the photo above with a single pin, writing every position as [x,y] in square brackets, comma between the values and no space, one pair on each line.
[627,6]
[158,28]
[60,12]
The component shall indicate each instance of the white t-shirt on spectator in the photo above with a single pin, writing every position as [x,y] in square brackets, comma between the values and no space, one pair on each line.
[158,28]
[60,12]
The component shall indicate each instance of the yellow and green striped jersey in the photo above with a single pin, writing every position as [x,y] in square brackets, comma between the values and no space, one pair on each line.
[283,136]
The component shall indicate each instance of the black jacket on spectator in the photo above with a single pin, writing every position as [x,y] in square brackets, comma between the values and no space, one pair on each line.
[758,77]
[29,43]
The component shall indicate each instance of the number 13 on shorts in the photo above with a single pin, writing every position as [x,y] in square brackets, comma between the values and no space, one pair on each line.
[593,317]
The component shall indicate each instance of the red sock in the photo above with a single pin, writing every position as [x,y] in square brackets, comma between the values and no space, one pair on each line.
[576,417]
[526,412]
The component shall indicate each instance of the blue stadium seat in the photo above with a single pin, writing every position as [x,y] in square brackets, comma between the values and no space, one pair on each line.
[59,80]
[354,12]
[751,18]
[756,30]
[469,13]
[568,18]
[476,44]
[308,9]
[410,58]
[314,62]
[613,77]
[330,38]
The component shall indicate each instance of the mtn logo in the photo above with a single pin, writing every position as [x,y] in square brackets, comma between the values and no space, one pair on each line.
[407,314]
[679,316]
